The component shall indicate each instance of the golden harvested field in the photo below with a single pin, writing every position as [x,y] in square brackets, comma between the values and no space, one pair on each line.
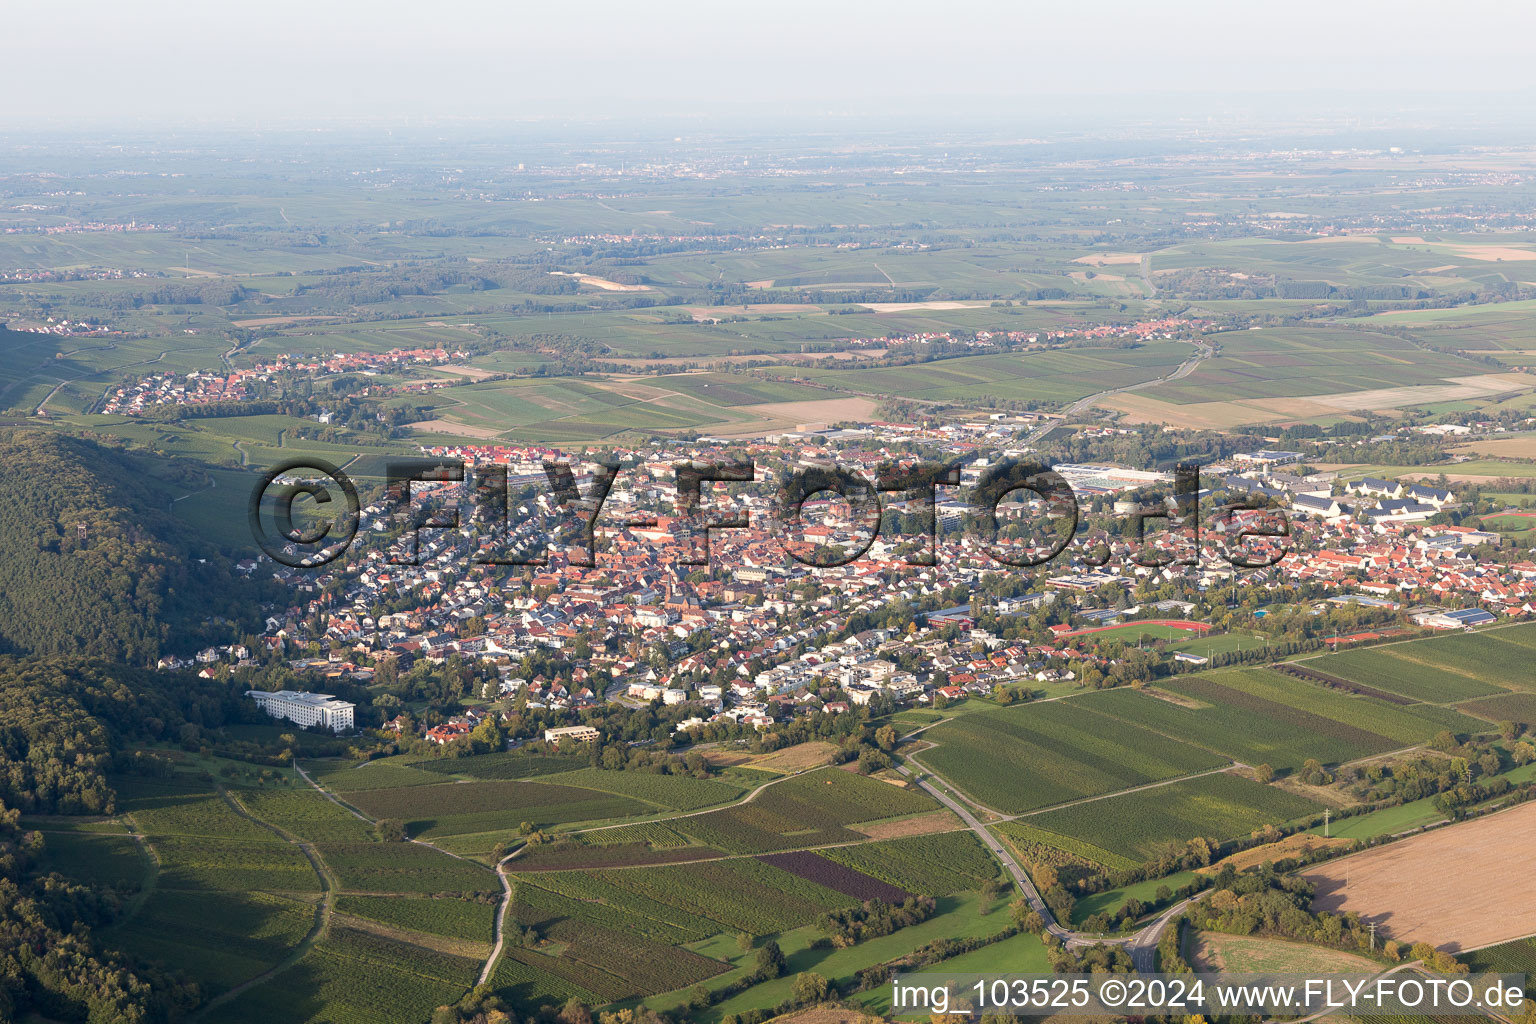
[1458,887]
[918,825]
[473,372]
[901,307]
[1244,954]
[453,429]
[796,758]
[1502,448]
[1145,408]
[1489,253]
[1108,259]
[602,283]
[1290,846]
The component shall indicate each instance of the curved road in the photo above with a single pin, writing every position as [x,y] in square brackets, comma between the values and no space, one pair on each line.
[1142,945]
[1203,351]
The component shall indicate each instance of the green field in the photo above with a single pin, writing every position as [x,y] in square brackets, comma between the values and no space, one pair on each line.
[1299,361]
[1111,900]
[1388,821]
[219,938]
[116,861]
[354,976]
[1257,716]
[1047,377]
[403,868]
[1054,752]
[669,792]
[1441,669]
[475,807]
[451,918]
[1149,822]
[805,810]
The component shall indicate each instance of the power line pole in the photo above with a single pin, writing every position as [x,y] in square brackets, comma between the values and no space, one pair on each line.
[1327,816]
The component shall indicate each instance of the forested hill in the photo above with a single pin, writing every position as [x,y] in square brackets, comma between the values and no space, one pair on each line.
[90,563]
[63,722]
[62,719]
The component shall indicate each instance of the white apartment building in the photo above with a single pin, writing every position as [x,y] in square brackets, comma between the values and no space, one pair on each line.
[320,709]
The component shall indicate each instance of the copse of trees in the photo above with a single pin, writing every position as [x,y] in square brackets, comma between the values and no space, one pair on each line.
[62,719]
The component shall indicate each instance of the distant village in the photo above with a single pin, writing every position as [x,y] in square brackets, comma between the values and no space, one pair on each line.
[204,387]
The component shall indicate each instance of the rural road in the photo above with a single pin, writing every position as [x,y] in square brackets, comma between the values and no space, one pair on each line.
[506,885]
[1203,351]
[1142,945]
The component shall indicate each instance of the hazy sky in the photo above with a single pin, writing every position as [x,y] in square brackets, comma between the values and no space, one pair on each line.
[289,60]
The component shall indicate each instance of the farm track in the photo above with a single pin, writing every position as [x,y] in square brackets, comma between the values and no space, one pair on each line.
[506,886]
[324,909]
[151,876]
[1203,351]
[1141,945]
[707,860]
[707,810]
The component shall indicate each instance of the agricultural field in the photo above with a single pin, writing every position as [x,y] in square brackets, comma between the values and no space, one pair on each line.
[404,984]
[116,861]
[1055,752]
[305,814]
[1293,362]
[959,917]
[834,876]
[521,981]
[742,894]
[1035,846]
[1388,821]
[1440,669]
[403,868]
[478,807]
[812,809]
[669,792]
[1257,716]
[1111,900]
[450,918]
[1519,708]
[352,777]
[629,943]
[1405,887]
[1247,954]
[1061,376]
[735,389]
[219,939]
[592,897]
[499,765]
[703,906]
[1142,825]
[934,865]
[566,856]
[1517,957]
[181,807]
[652,834]
[233,865]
